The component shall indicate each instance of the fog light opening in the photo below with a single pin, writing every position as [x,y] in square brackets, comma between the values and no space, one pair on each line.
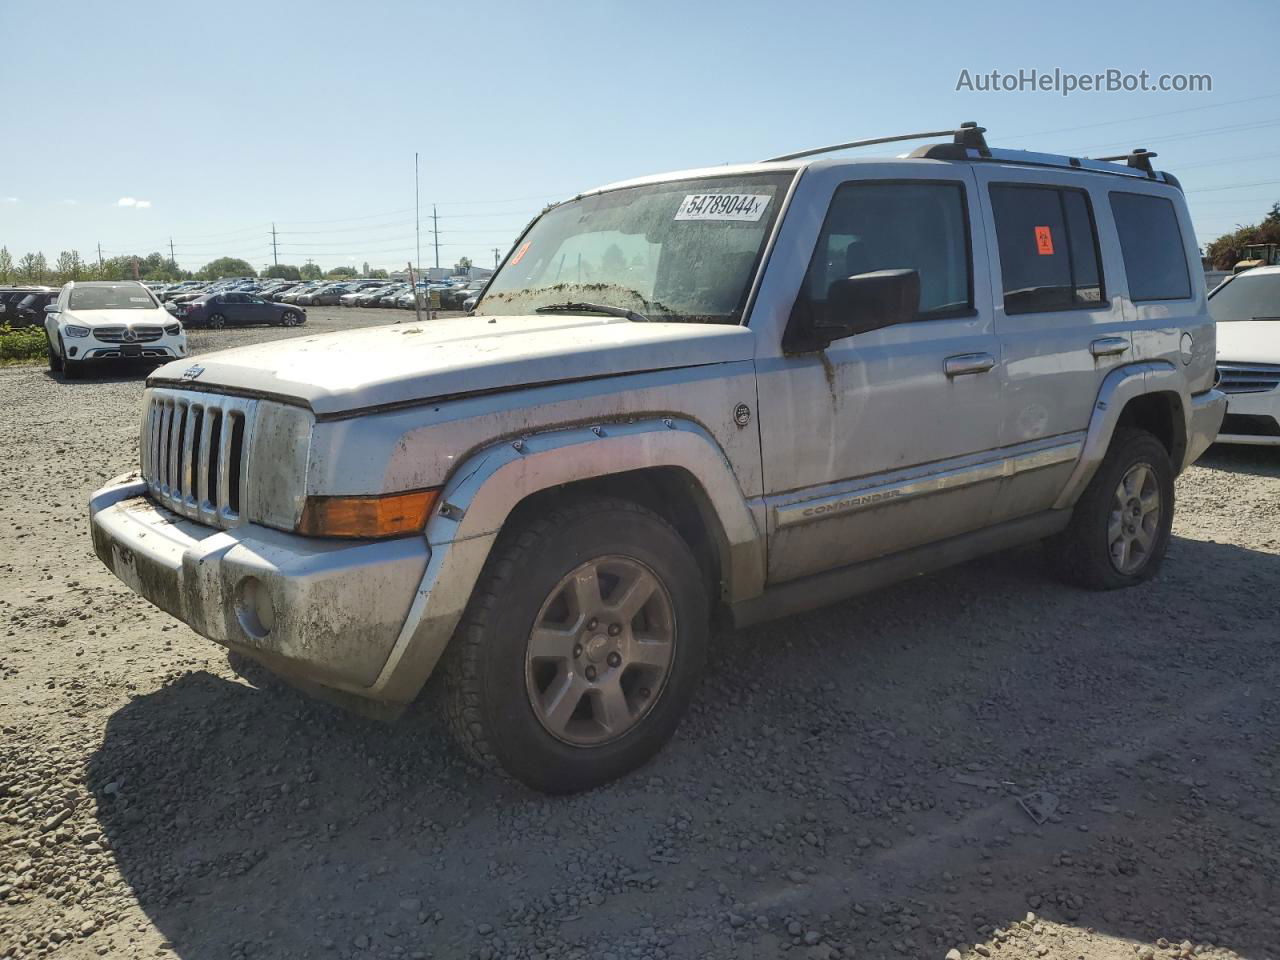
[254,609]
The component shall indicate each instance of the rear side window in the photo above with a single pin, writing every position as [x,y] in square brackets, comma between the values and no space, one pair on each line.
[1154,256]
[1048,248]
[921,226]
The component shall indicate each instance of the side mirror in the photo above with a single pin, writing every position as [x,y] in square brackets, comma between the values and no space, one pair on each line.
[50,308]
[870,301]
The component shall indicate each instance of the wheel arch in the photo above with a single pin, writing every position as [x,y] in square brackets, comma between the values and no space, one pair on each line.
[1149,396]
[673,467]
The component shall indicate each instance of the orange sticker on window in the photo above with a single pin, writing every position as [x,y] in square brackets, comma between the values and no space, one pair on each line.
[1044,241]
[525,249]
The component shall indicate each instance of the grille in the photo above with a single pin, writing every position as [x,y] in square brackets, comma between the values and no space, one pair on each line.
[1248,377]
[142,333]
[194,453]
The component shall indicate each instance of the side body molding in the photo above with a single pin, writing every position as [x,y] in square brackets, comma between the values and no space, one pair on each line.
[483,491]
[1120,386]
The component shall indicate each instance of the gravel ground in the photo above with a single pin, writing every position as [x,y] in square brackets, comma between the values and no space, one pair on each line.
[846,786]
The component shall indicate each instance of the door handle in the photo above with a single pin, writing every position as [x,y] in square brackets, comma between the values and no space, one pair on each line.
[966,363]
[1108,346]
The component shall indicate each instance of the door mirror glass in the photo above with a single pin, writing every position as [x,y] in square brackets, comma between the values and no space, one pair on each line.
[51,308]
[869,301]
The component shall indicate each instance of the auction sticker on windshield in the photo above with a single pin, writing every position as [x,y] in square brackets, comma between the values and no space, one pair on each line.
[723,206]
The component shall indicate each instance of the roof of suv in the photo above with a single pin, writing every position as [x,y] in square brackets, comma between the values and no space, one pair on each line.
[968,144]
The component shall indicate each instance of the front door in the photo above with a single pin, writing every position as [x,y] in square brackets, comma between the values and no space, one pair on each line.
[885,440]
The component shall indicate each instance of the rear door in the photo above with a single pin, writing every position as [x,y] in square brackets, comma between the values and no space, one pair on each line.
[1062,328]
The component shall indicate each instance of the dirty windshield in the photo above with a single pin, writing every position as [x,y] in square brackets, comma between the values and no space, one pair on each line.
[683,250]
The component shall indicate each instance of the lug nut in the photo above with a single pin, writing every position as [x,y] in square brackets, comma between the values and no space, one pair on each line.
[615,629]
[592,623]
[614,659]
[643,691]
[591,674]
[577,650]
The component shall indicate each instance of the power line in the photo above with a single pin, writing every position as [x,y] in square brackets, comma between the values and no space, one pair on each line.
[1146,116]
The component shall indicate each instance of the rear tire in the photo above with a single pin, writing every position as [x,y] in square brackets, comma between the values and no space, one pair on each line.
[1121,525]
[595,690]
[217,321]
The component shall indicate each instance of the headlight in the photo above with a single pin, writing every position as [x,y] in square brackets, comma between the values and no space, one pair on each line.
[173,329]
[72,330]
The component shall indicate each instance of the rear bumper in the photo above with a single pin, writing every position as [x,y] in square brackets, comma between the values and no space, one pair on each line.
[1207,410]
[1252,418]
[324,611]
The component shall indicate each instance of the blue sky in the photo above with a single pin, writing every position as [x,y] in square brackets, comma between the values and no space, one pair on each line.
[218,120]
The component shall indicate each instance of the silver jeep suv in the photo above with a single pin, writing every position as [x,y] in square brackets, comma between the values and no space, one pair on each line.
[723,394]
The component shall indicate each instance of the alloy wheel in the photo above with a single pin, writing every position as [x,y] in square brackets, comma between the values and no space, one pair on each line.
[1134,522]
[600,651]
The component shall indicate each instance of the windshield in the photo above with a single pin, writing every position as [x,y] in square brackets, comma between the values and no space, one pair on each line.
[683,250]
[1248,296]
[122,296]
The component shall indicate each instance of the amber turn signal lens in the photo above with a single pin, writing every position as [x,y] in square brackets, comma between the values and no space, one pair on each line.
[392,515]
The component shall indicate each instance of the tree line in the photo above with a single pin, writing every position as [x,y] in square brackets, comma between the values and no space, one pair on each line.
[1225,252]
[34,268]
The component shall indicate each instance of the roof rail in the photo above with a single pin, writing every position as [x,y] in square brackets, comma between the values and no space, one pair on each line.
[967,135]
[1139,158]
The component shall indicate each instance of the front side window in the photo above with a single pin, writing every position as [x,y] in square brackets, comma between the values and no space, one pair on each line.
[678,251]
[1048,248]
[112,296]
[1155,259]
[917,226]
[1249,296]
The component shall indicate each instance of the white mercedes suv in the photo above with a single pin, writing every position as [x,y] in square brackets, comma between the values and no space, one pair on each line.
[1247,310]
[93,321]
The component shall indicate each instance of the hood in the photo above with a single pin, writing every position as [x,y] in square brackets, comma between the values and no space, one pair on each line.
[1249,341]
[339,372]
[110,318]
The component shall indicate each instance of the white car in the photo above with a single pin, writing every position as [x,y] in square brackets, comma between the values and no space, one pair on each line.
[1247,310]
[95,321]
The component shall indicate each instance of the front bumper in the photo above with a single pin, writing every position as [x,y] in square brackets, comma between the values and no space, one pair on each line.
[325,611]
[1252,418]
[1207,410]
[90,349]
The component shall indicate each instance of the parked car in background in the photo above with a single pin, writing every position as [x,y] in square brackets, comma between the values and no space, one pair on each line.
[11,297]
[104,321]
[454,298]
[236,308]
[30,309]
[1247,310]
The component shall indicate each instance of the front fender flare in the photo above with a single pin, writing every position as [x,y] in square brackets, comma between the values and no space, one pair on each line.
[483,491]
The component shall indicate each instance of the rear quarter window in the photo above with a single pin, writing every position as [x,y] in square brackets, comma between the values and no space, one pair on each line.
[1155,259]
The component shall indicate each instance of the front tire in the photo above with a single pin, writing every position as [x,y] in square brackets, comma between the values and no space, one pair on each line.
[290,318]
[581,647]
[55,359]
[1121,525]
[71,369]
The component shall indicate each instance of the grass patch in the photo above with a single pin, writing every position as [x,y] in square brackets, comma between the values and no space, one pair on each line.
[21,345]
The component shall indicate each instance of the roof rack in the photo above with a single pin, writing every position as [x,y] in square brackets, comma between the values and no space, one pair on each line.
[1139,158]
[968,136]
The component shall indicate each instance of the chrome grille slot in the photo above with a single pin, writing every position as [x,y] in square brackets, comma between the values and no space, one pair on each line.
[195,455]
[142,333]
[1248,377]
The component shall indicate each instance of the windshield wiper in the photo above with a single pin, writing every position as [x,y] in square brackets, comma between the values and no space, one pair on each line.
[578,306]
[1264,318]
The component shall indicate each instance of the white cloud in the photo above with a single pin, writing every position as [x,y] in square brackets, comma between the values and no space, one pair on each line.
[11,200]
[133,202]
[143,204]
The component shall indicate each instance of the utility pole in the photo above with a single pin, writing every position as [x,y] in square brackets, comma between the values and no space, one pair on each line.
[99,255]
[417,222]
[275,255]
[496,251]
[173,260]
[435,232]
